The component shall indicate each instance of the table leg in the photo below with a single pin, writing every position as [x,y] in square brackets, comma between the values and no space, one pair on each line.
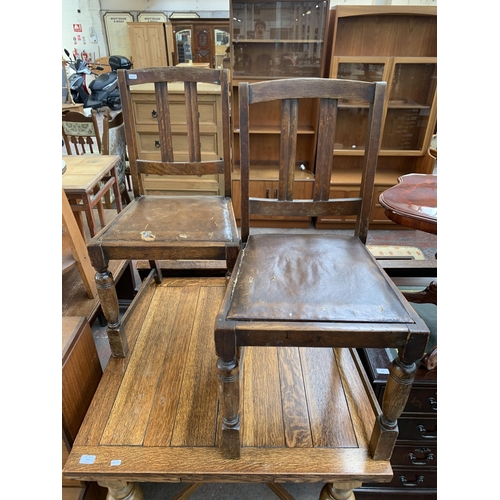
[121,490]
[339,490]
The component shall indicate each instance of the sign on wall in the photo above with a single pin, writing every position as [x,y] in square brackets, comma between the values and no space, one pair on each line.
[152,17]
[117,33]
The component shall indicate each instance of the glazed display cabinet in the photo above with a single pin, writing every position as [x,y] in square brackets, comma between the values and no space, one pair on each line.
[275,40]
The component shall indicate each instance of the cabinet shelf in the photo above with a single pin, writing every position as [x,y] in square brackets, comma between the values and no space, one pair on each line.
[276,40]
[271,129]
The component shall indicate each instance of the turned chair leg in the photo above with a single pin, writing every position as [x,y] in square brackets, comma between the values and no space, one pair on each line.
[109,303]
[339,491]
[228,375]
[121,490]
[397,391]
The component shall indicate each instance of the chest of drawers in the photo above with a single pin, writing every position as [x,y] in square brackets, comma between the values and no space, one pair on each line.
[414,460]
[146,127]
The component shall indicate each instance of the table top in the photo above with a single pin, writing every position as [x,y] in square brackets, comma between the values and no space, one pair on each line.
[84,171]
[413,202]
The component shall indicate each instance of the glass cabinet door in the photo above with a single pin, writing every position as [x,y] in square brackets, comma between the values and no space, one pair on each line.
[183,39]
[221,40]
[412,93]
[352,117]
[278,39]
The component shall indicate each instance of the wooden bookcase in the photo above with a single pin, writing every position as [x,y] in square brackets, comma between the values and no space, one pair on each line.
[396,44]
[273,40]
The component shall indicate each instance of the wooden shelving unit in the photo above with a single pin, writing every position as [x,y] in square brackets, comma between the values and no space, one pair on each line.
[396,44]
[274,40]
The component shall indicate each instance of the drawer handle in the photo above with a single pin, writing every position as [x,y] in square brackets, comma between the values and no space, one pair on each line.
[154,114]
[429,457]
[433,403]
[268,192]
[420,480]
[423,433]
[157,144]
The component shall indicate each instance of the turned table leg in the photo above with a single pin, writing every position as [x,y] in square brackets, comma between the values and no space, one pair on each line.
[339,490]
[228,374]
[121,490]
[109,303]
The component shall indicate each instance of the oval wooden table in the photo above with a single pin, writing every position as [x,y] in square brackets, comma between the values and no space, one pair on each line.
[413,203]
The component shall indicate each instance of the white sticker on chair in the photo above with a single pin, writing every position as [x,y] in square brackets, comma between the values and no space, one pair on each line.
[87,459]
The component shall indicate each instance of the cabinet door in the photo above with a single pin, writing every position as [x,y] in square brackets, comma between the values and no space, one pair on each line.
[278,39]
[149,46]
[411,105]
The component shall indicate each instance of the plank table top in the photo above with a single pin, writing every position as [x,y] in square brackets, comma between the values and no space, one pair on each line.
[85,171]
[307,416]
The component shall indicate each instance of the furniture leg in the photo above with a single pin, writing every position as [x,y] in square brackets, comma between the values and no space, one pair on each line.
[89,214]
[385,432]
[339,490]
[427,296]
[106,289]
[121,490]
[78,249]
[228,375]
[116,190]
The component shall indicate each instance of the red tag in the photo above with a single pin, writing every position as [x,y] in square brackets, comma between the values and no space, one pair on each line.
[77,28]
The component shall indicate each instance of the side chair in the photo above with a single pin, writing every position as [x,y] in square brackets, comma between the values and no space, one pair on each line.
[172,227]
[312,290]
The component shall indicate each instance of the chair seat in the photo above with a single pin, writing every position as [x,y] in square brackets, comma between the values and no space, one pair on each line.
[172,219]
[313,277]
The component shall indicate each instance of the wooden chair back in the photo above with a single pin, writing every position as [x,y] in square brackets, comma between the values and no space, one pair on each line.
[81,133]
[332,94]
[167,165]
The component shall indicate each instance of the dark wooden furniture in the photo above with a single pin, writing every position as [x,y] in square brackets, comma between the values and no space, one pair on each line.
[311,290]
[156,414]
[87,180]
[413,203]
[414,460]
[199,41]
[81,374]
[167,227]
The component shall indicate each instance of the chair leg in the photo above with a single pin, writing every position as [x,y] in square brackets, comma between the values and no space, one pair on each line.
[109,303]
[125,197]
[339,490]
[397,391]
[89,214]
[228,374]
[121,490]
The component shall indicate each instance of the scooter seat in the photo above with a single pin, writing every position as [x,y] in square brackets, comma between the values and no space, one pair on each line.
[103,81]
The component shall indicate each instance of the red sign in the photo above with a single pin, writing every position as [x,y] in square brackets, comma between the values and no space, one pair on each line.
[77,28]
